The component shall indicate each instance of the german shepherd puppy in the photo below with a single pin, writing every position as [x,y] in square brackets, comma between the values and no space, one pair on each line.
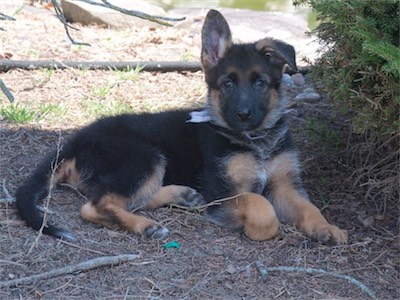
[239,146]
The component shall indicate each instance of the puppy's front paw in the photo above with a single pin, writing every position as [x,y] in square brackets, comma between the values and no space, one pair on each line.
[325,232]
[331,234]
[191,198]
[156,231]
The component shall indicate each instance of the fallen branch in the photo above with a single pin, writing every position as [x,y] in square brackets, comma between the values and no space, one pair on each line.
[61,17]
[6,91]
[156,19]
[350,279]
[83,266]
[5,17]
[104,3]
[8,198]
[54,167]
[150,66]
[201,208]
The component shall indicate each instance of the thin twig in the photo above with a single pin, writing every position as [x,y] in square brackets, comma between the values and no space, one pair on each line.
[156,19]
[8,198]
[48,198]
[75,189]
[6,91]
[61,17]
[201,208]
[350,279]
[83,266]
[80,247]
[5,17]
[262,270]
[3,261]
[135,13]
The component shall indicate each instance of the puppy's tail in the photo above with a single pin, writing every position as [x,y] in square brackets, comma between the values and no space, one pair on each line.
[34,189]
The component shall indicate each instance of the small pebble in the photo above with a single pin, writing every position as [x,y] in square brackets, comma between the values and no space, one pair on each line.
[298,79]
[287,81]
[230,269]
[308,97]
[367,222]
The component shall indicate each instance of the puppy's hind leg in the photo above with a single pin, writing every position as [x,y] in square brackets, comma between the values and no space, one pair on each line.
[110,211]
[127,190]
[176,194]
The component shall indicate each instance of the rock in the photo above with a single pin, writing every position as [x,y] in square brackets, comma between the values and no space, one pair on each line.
[367,222]
[287,81]
[86,14]
[249,26]
[230,269]
[298,79]
[308,97]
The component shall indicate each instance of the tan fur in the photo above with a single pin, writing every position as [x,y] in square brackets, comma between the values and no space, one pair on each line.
[214,98]
[110,211]
[242,171]
[67,173]
[274,100]
[148,189]
[257,215]
[267,45]
[294,207]
[169,194]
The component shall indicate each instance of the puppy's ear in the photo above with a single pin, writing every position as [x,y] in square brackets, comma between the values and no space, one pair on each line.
[216,39]
[279,52]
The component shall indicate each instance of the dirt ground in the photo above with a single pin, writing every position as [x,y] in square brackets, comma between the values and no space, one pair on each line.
[211,262]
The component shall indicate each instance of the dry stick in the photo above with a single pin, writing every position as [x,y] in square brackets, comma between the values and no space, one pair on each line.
[147,66]
[106,4]
[5,17]
[150,66]
[51,185]
[6,91]
[201,208]
[8,198]
[350,279]
[135,13]
[83,266]
[62,19]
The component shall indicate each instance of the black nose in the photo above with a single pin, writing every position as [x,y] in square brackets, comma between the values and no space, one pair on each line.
[244,114]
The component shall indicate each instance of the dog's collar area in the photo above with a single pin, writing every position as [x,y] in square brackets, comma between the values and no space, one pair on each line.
[202,116]
[256,135]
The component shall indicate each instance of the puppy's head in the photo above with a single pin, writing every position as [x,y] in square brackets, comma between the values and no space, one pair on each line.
[243,79]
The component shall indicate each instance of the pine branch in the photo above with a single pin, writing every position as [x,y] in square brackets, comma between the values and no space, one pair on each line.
[83,266]
[156,19]
[5,17]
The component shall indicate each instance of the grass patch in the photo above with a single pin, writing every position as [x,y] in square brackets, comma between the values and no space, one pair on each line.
[101,91]
[19,114]
[57,110]
[106,108]
[130,73]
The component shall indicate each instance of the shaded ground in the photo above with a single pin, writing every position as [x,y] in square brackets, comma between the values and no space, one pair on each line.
[212,263]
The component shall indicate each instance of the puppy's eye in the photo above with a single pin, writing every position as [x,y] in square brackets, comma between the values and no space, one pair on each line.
[260,84]
[228,84]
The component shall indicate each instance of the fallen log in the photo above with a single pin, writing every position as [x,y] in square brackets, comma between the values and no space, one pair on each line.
[149,66]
